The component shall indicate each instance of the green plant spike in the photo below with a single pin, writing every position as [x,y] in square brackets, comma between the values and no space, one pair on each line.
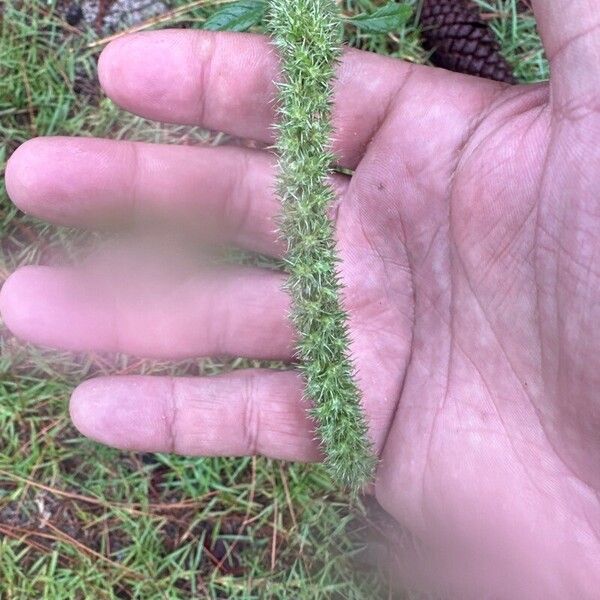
[308,36]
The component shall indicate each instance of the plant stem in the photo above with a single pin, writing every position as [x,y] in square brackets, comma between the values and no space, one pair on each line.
[308,35]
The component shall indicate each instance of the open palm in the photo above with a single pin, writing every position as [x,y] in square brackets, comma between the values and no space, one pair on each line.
[470,244]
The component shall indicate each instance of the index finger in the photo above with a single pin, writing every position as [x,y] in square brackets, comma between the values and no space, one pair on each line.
[225,81]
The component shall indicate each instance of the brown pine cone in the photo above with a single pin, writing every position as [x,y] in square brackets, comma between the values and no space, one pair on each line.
[460,40]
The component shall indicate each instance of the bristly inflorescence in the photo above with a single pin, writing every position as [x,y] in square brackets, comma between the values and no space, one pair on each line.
[308,36]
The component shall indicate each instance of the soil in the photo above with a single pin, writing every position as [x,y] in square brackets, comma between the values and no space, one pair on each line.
[109,16]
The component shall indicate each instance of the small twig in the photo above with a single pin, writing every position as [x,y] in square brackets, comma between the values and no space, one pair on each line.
[105,504]
[13,111]
[288,497]
[15,535]
[274,537]
[40,434]
[59,535]
[50,14]
[62,536]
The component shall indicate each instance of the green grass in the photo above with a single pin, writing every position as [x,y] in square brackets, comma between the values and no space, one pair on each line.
[78,520]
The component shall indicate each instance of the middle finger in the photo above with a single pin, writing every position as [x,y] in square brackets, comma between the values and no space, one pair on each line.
[84,182]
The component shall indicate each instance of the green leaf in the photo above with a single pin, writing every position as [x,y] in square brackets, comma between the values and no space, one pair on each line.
[237,16]
[386,19]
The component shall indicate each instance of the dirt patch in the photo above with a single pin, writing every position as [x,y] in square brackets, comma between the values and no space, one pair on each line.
[109,16]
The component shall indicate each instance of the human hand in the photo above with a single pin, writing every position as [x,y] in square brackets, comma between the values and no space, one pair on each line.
[469,243]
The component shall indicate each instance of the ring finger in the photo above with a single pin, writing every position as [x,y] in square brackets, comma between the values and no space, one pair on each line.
[242,312]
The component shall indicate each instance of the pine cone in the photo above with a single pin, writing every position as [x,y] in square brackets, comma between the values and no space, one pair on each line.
[461,41]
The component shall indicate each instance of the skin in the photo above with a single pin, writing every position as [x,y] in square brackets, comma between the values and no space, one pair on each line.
[470,244]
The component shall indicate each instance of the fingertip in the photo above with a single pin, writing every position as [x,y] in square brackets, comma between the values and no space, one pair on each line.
[108,63]
[118,68]
[18,300]
[121,412]
[24,175]
[43,176]
[54,307]
[150,74]
[84,404]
